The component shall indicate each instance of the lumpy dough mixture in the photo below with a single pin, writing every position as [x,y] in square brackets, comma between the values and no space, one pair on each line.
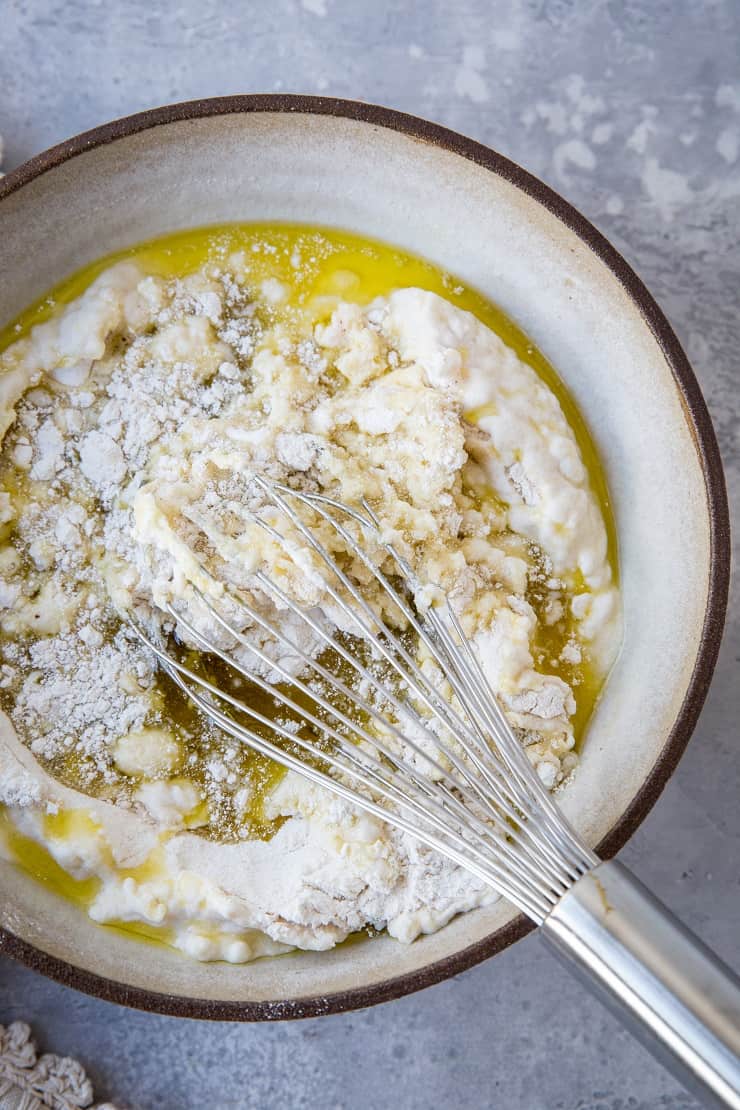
[133,420]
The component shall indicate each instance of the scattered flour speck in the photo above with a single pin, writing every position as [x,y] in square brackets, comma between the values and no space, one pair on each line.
[728,144]
[573,152]
[602,133]
[668,190]
[728,96]
[469,81]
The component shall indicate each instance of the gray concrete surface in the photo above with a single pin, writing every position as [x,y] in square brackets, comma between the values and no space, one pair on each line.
[632,110]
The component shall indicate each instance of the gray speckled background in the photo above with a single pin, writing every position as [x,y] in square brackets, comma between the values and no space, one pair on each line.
[632,110]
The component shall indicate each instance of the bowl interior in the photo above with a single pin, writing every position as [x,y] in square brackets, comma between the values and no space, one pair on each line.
[429,199]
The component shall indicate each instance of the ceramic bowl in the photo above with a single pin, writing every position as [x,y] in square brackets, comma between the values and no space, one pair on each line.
[470,210]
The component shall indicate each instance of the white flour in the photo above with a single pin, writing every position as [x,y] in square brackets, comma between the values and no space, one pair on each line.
[87,700]
[136,417]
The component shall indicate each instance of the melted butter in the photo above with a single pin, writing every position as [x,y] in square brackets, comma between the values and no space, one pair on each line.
[261,773]
[474,416]
[71,823]
[141,930]
[39,862]
[153,867]
[317,267]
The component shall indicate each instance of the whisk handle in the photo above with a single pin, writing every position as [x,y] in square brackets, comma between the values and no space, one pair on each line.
[678,997]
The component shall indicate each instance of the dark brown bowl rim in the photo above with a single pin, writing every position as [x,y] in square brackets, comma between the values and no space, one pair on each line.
[705,442]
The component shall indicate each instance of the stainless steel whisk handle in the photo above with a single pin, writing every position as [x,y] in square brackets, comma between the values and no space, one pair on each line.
[677,996]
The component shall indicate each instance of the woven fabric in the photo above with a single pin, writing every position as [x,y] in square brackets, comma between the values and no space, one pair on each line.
[48,1082]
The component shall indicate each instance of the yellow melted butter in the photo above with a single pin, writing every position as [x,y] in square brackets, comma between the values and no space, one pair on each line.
[332,264]
[70,822]
[39,862]
[318,266]
[80,825]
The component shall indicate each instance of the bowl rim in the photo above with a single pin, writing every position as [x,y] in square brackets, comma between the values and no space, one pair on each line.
[705,442]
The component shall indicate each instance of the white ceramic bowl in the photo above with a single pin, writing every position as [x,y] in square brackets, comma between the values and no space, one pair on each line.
[466,208]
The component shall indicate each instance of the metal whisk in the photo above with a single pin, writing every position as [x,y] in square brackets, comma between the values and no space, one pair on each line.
[428,748]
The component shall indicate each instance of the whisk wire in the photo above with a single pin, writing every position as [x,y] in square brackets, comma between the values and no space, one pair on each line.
[470,793]
[494,782]
[414,676]
[559,837]
[421,782]
[489,868]
[475,748]
[450,665]
[366,674]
